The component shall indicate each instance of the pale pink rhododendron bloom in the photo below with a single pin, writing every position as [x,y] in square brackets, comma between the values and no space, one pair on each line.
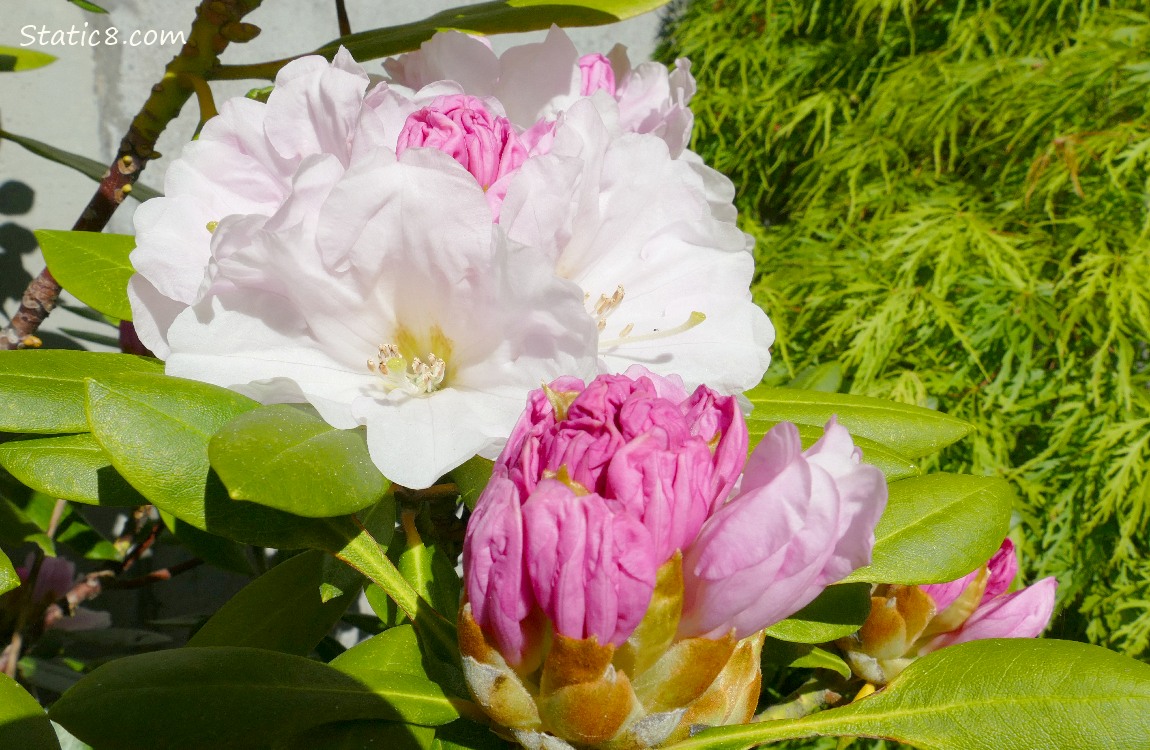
[611,563]
[286,242]
[382,303]
[907,622]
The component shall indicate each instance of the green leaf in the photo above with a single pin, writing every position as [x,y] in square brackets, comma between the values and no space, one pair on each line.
[938,528]
[93,266]
[88,6]
[908,430]
[837,612]
[338,578]
[1020,693]
[467,735]
[279,611]
[16,529]
[227,697]
[23,724]
[818,658]
[156,430]
[394,650]
[428,569]
[16,59]
[285,458]
[216,550]
[8,578]
[67,741]
[72,467]
[893,465]
[42,391]
[362,735]
[827,378]
[471,477]
[82,164]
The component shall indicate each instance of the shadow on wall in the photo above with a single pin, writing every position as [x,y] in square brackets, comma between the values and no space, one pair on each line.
[16,241]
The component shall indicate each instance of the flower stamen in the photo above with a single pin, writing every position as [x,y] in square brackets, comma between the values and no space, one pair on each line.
[418,378]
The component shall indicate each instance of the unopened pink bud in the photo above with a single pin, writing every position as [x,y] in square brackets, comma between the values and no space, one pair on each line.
[462,127]
[592,570]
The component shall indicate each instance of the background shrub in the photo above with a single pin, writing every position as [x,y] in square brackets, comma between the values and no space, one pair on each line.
[951,201]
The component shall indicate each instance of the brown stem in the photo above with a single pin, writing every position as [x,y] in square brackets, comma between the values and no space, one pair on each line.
[217,24]
[164,574]
[342,19]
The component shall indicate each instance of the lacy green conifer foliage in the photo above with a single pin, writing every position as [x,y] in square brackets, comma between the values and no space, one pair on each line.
[951,199]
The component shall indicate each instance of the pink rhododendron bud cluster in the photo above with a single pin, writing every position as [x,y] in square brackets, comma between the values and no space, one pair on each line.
[906,622]
[410,256]
[618,573]
[462,127]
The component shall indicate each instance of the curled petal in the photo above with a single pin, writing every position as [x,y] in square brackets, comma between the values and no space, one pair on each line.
[1023,614]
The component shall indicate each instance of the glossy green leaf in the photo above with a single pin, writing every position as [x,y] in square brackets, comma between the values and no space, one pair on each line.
[155,429]
[210,698]
[893,465]
[394,650]
[42,390]
[338,578]
[818,658]
[427,569]
[837,612]
[362,735]
[279,611]
[285,458]
[211,548]
[937,528]
[498,17]
[23,723]
[93,266]
[72,467]
[16,529]
[827,377]
[67,740]
[88,167]
[910,431]
[1021,693]
[16,59]
[471,477]
[8,578]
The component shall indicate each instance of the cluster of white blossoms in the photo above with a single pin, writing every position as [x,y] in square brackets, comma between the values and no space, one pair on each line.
[416,254]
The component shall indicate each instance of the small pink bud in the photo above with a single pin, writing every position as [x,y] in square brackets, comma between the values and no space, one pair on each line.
[800,522]
[463,128]
[598,75]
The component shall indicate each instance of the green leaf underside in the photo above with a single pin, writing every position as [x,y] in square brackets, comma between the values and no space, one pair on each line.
[1022,694]
[72,467]
[279,611]
[155,429]
[88,167]
[910,431]
[8,578]
[17,59]
[225,697]
[893,465]
[23,724]
[282,457]
[938,528]
[44,389]
[93,266]
[837,612]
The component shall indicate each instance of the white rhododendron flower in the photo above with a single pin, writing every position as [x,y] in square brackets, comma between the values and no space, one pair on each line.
[291,261]
[418,319]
